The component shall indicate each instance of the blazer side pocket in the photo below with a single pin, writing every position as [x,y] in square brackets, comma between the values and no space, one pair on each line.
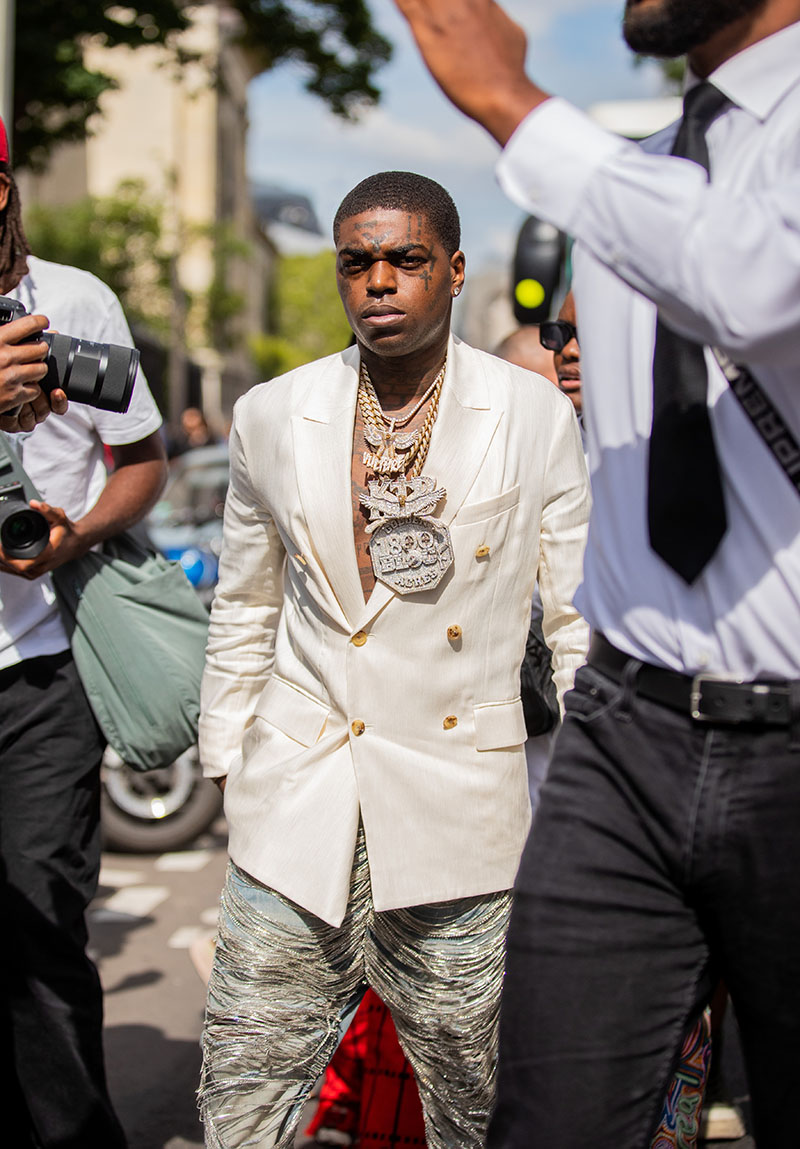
[499,724]
[292,711]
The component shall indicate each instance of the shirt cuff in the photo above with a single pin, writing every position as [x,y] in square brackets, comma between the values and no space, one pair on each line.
[550,159]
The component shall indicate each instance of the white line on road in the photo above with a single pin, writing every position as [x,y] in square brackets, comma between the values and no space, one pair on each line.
[138,901]
[185,861]
[119,878]
[186,935]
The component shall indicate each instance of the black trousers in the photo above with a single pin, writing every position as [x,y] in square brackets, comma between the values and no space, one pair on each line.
[50,997]
[665,854]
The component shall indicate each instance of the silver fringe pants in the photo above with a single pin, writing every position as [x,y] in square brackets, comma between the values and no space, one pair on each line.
[285,985]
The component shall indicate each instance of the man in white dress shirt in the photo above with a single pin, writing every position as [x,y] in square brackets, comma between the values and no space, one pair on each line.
[665,852]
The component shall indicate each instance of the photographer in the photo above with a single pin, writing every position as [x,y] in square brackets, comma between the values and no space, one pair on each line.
[50,745]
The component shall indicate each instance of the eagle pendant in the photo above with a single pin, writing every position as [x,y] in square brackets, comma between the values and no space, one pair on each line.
[410,551]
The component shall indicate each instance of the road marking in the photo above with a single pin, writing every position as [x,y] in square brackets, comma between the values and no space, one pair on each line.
[184,861]
[119,878]
[186,936]
[136,901]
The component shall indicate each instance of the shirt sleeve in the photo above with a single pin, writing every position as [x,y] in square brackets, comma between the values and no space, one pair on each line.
[142,417]
[722,266]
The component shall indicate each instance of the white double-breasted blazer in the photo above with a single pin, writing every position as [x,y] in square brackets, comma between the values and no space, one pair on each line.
[323,709]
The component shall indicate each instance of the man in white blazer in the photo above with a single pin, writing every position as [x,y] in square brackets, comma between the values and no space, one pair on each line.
[390,509]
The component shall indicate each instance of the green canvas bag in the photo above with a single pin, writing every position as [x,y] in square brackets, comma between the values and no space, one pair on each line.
[138,636]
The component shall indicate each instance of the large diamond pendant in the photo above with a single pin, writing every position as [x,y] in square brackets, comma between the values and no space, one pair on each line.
[410,551]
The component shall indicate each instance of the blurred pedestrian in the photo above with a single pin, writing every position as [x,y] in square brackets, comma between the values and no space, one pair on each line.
[665,852]
[50,745]
[194,431]
[389,510]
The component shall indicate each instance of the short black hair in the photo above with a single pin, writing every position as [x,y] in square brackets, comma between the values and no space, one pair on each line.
[404,191]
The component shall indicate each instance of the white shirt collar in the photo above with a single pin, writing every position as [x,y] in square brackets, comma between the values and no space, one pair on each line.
[758,77]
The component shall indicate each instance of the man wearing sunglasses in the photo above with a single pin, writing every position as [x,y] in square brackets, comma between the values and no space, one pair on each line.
[561,337]
[665,852]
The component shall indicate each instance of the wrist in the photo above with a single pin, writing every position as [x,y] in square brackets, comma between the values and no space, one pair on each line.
[510,108]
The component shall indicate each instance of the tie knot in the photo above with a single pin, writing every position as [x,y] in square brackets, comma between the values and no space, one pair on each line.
[703,103]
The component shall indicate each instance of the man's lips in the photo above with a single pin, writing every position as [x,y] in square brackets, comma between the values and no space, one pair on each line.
[381,316]
[569,382]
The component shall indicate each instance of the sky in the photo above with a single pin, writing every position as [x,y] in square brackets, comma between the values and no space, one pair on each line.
[575,50]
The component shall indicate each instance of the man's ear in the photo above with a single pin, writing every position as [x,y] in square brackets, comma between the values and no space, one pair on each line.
[5,190]
[457,265]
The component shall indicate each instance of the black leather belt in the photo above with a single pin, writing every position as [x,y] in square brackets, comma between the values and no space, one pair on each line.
[706,697]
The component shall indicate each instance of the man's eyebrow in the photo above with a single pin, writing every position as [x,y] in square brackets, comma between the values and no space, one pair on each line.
[400,249]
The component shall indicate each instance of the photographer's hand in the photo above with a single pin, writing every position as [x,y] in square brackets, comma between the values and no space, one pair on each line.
[23,404]
[130,492]
[66,542]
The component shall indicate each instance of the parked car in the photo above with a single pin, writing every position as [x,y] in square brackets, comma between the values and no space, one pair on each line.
[166,809]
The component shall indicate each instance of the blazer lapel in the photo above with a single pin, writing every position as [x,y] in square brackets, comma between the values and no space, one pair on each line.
[464,428]
[323,443]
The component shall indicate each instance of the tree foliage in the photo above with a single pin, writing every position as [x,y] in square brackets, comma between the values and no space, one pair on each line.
[56,95]
[308,321]
[119,239]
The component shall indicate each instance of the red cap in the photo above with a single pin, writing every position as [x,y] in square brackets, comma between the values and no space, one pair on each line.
[3,143]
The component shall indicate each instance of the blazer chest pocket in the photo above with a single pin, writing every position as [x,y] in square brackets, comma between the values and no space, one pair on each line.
[487,508]
[499,724]
[292,711]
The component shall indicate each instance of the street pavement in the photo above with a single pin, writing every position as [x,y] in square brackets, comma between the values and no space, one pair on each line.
[148,912]
[149,909]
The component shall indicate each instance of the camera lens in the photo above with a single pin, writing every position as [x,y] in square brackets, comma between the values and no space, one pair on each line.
[24,533]
[98,374]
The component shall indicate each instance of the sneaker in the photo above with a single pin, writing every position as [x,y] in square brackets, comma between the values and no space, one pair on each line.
[721,1121]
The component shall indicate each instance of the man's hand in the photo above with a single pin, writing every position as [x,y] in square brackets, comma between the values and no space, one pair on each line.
[22,368]
[65,543]
[476,54]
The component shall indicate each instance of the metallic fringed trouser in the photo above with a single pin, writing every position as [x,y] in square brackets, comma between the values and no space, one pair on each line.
[285,985]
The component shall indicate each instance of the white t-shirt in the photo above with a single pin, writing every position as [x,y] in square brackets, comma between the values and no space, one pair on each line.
[64,455]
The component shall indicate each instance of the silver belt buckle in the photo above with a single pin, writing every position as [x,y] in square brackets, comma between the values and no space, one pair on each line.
[696,696]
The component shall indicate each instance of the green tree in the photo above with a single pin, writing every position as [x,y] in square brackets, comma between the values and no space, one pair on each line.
[308,321]
[56,95]
[119,239]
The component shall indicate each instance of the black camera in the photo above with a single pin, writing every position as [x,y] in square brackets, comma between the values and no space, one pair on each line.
[98,374]
[24,532]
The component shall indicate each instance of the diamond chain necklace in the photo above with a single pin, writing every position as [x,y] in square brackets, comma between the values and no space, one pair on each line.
[380,430]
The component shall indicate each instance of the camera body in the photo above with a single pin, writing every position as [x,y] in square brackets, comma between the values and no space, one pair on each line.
[98,374]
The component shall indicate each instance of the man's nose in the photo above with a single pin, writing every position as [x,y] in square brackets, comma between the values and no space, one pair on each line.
[382,278]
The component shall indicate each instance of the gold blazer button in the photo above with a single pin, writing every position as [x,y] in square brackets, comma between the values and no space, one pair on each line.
[359,638]
[357,727]
[454,633]
[482,552]
[450,721]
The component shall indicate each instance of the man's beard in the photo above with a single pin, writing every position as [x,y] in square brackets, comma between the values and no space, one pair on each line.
[676,26]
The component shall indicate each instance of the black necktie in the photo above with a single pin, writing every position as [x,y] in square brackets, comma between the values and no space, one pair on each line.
[685,505]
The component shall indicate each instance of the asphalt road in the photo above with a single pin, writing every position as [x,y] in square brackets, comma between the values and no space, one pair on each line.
[148,912]
[149,909]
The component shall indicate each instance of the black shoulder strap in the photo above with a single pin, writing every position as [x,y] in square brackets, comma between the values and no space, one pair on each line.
[764,416]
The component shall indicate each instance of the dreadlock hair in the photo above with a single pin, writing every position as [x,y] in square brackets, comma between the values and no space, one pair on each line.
[14,246]
[404,191]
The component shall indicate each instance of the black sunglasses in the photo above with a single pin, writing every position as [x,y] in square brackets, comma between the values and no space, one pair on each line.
[555,334]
